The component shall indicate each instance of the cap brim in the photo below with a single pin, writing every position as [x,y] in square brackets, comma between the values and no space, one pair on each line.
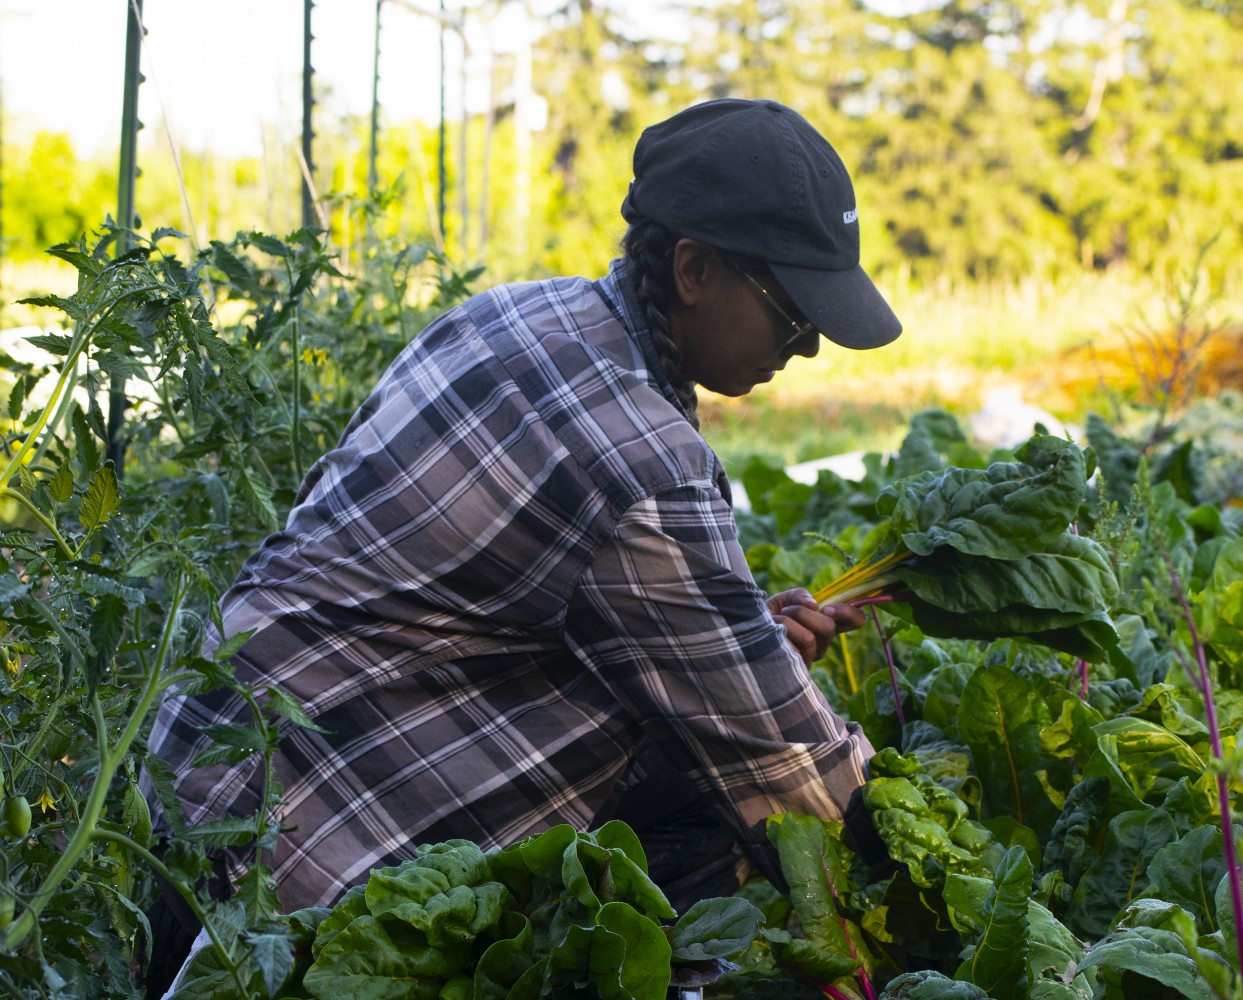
[843,305]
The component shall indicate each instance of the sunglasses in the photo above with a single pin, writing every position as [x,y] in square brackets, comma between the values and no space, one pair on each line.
[800,330]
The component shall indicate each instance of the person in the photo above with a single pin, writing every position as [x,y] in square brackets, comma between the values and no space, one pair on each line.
[513,595]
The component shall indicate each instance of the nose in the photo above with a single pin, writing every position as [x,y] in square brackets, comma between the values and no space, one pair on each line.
[808,346]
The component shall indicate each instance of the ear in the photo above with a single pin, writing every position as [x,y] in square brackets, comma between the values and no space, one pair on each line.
[693,263]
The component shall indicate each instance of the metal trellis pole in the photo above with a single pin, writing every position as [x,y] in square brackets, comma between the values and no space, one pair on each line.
[440,155]
[126,215]
[308,135]
[372,174]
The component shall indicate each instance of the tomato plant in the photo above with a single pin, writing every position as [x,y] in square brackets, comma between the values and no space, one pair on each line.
[237,370]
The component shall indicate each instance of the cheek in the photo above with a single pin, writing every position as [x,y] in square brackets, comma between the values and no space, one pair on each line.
[730,365]
[724,349]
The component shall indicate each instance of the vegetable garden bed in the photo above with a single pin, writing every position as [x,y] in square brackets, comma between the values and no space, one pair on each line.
[1052,679]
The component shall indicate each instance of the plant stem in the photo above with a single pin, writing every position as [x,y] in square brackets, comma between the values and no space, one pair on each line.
[1223,788]
[68,372]
[861,974]
[103,833]
[110,758]
[42,518]
[296,424]
[893,670]
[848,661]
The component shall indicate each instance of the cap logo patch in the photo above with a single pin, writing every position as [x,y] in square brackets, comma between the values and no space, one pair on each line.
[851,216]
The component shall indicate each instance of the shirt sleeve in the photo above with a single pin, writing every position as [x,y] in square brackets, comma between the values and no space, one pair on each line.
[670,618]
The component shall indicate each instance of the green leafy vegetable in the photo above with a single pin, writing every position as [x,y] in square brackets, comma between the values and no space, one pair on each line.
[983,553]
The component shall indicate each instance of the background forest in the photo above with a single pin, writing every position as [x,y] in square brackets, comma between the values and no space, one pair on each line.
[1034,176]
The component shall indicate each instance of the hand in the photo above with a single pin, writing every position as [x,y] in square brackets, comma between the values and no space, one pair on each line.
[810,628]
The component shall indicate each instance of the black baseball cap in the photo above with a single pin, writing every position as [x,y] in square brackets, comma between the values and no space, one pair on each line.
[755,178]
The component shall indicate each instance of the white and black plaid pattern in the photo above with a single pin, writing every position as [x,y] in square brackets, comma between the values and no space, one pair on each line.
[520,558]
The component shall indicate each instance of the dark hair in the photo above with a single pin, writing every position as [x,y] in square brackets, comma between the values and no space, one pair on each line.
[648,247]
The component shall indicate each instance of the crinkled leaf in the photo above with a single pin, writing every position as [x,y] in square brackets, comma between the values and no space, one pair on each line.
[348,908]
[816,866]
[1187,871]
[1005,511]
[1070,848]
[1158,941]
[623,956]
[505,961]
[1119,873]
[930,985]
[1152,758]
[1071,574]
[373,959]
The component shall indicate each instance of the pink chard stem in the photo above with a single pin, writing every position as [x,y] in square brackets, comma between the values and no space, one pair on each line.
[1223,787]
[862,975]
[893,670]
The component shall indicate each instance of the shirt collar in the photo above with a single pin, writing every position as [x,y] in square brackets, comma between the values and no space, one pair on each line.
[617,290]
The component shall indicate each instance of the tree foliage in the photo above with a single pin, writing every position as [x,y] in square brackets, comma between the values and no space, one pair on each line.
[987,138]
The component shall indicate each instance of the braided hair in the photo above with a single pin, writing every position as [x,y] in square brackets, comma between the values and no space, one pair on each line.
[648,247]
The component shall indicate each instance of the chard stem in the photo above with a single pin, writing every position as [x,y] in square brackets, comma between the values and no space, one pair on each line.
[893,670]
[1223,788]
[862,577]
[850,667]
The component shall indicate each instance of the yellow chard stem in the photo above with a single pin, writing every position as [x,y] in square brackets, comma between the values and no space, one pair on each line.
[850,667]
[860,574]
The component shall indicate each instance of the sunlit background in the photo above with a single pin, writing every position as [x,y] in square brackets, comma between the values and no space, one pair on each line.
[1049,190]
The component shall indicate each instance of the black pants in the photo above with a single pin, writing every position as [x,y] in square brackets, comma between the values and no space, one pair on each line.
[691,853]
[173,930]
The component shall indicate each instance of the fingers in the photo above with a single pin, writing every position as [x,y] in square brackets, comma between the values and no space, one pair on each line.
[846,617]
[810,629]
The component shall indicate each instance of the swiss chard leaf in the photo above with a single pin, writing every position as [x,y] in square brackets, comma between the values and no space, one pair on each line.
[1158,940]
[816,865]
[999,962]
[1001,718]
[1005,511]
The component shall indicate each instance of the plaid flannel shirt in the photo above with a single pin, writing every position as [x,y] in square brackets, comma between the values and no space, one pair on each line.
[520,559]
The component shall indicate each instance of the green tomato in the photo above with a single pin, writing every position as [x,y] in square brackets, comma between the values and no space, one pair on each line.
[17,816]
[7,906]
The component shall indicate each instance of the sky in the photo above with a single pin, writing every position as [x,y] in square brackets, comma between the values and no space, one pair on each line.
[217,70]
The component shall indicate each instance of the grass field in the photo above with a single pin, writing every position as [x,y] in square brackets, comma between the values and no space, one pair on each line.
[1095,343]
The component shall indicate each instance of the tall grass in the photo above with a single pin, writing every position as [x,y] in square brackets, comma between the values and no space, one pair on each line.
[1063,344]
